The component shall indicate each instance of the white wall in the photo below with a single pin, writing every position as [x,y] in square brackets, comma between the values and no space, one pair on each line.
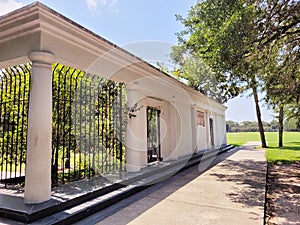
[201,137]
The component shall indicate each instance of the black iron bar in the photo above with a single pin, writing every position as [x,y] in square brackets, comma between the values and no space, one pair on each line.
[6,126]
[25,106]
[58,123]
[121,125]
[14,143]
[2,80]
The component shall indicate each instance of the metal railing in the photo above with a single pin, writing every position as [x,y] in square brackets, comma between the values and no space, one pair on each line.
[14,102]
[88,125]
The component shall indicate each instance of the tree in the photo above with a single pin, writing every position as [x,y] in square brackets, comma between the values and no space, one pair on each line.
[251,126]
[281,59]
[274,125]
[292,124]
[193,70]
[222,34]
[235,37]
[230,125]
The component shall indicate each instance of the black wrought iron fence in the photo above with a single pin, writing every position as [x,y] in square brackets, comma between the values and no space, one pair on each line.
[88,125]
[14,101]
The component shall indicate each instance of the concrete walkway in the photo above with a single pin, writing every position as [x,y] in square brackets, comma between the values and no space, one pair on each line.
[231,192]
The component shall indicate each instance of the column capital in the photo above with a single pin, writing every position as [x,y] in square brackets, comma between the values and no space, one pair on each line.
[41,57]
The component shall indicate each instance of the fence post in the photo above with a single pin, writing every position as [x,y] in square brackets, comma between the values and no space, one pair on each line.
[136,134]
[39,140]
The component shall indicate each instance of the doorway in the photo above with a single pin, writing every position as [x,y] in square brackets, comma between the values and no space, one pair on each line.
[153,135]
[211,127]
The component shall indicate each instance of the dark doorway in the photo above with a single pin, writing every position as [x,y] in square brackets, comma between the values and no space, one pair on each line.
[153,135]
[211,126]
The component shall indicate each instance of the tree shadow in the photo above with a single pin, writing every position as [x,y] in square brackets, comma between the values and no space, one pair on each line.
[283,193]
[146,199]
[250,179]
[295,143]
[295,148]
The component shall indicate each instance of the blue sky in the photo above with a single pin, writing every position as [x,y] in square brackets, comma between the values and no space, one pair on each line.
[145,27]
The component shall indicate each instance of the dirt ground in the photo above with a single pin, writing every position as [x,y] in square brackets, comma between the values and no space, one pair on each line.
[283,194]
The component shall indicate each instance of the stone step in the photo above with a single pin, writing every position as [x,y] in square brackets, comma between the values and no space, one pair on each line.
[70,210]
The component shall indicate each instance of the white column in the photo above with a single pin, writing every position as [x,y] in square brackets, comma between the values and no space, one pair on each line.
[216,130]
[208,142]
[38,161]
[194,129]
[224,130]
[136,136]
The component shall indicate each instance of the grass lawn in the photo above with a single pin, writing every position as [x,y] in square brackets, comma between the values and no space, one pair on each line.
[289,153]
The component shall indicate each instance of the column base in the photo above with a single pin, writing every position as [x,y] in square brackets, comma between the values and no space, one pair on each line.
[133,168]
[36,199]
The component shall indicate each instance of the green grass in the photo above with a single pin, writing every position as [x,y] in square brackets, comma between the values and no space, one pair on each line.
[289,153]
[240,138]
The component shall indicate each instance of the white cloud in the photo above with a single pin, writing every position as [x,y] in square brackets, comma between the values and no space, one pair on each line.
[92,4]
[7,6]
[109,4]
[113,6]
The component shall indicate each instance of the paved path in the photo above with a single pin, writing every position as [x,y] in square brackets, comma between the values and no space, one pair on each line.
[231,192]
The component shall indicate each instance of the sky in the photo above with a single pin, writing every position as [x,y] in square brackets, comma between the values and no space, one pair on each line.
[144,27]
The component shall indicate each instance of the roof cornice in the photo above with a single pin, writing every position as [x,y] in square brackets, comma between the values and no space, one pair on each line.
[37,27]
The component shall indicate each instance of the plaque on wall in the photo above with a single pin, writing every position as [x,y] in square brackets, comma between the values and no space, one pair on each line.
[200,118]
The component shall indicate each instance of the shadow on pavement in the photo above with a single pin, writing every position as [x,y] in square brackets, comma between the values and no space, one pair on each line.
[118,214]
[283,194]
[252,179]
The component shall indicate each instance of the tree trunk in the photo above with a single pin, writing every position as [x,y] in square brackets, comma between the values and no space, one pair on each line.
[280,126]
[258,114]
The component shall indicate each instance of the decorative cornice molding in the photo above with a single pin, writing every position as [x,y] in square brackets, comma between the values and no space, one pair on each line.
[37,27]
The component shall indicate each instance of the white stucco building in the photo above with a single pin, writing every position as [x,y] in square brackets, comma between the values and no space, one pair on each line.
[188,120]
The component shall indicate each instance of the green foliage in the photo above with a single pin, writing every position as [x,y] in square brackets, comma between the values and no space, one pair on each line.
[14,97]
[248,44]
[88,124]
[199,76]
[240,39]
[252,126]
[220,32]
[292,124]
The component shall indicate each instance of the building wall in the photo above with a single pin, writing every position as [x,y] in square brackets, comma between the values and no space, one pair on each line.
[46,37]
[201,135]
[180,133]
